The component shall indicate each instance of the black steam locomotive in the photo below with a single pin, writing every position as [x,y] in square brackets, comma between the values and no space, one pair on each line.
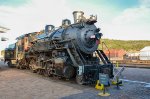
[69,51]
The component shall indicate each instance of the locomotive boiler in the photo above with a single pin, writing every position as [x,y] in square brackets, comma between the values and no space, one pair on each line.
[70,51]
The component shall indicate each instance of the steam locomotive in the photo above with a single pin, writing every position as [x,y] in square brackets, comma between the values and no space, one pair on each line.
[70,51]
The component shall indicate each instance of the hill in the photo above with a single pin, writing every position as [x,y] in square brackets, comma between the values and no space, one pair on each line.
[128,45]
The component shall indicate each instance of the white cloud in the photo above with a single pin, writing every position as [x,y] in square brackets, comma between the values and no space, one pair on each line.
[145,3]
[32,17]
[133,16]
[131,24]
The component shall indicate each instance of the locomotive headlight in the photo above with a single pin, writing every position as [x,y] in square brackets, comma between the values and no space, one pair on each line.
[98,36]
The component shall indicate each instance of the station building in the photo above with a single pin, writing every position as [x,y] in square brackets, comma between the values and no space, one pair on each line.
[132,55]
[115,54]
[145,53]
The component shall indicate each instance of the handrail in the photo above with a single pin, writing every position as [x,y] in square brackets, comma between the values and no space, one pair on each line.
[103,43]
[101,57]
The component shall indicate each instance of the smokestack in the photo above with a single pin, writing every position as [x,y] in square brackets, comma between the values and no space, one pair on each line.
[78,15]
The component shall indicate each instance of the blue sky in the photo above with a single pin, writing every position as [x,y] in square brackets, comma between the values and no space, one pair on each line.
[121,4]
[14,3]
[118,19]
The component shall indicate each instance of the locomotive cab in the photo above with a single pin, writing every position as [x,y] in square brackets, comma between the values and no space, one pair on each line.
[10,55]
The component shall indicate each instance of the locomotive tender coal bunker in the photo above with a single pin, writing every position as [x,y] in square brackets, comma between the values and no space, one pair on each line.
[68,51]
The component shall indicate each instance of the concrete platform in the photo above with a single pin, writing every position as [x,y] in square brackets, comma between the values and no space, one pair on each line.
[22,84]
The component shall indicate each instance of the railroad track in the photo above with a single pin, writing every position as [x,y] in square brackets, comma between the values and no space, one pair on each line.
[135,65]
